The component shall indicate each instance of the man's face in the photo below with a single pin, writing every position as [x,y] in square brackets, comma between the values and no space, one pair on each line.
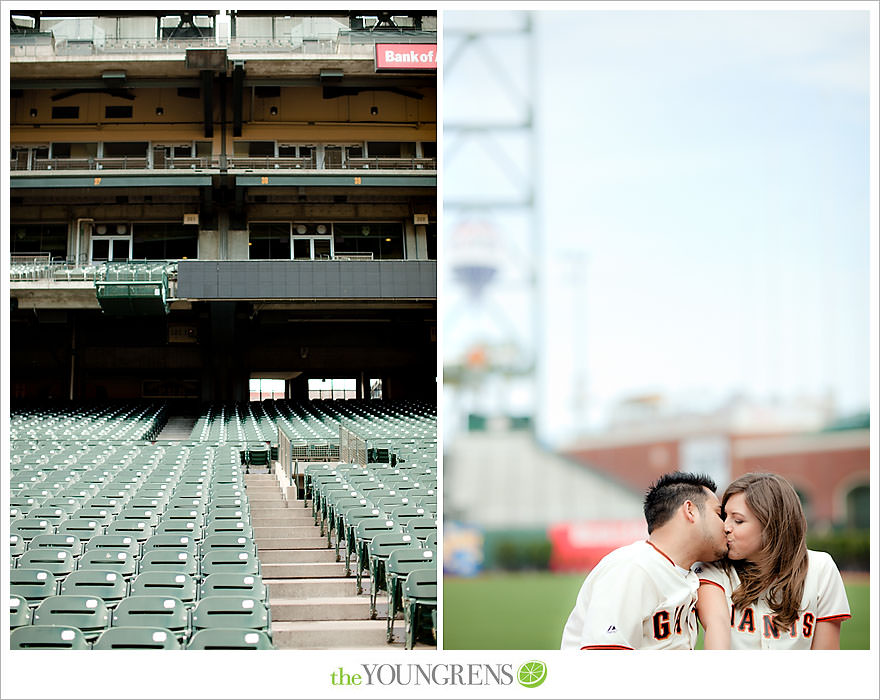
[711,533]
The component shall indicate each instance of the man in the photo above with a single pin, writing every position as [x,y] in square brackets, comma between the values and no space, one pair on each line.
[642,596]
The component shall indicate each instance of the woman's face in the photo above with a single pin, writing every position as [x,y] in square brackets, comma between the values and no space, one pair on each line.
[742,529]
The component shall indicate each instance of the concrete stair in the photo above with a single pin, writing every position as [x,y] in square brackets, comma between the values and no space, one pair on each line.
[314,604]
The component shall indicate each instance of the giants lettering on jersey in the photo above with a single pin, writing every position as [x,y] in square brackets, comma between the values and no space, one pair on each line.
[662,626]
[769,628]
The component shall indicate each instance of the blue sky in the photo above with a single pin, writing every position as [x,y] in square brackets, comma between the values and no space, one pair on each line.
[705,206]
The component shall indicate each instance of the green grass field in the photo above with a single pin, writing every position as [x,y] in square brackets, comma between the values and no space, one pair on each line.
[528,611]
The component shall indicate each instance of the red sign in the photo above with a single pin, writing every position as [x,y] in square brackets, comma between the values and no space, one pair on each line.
[580,546]
[406,57]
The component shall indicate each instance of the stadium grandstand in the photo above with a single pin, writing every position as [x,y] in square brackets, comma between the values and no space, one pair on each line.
[223,368]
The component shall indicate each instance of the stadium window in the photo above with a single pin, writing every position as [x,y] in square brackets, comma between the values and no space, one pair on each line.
[121,149]
[375,388]
[39,238]
[74,150]
[332,388]
[164,241]
[429,149]
[269,241]
[65,112]
[117,112]
[266,389]
[391,149]
[110,241]
[384,240]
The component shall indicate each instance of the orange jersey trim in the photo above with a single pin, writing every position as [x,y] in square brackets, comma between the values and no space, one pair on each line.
[713,583]
[660,551]
[606,646]
[832,618]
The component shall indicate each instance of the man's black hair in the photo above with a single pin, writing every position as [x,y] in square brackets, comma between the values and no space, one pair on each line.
[670,491]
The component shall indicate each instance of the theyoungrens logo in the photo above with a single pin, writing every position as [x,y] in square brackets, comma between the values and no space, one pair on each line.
[529,675]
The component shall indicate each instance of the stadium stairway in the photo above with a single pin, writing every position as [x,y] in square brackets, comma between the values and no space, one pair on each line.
[177,428]
[313,604]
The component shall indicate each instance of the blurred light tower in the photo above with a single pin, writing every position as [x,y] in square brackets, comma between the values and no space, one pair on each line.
[492,237]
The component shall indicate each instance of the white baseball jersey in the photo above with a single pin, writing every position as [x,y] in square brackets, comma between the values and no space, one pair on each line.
[635,598]
[752,628]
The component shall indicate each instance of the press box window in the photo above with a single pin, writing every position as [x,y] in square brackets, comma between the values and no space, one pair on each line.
[165,241]
[65,113]
[117,112]
[269,241]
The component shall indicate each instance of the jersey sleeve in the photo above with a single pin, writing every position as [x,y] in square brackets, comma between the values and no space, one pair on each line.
[616,611]
[712,574]
[832,603]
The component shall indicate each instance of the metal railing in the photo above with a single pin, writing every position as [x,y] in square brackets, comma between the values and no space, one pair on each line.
[203,163]
[344,45]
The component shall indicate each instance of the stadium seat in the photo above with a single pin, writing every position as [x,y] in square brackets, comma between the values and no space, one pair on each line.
[109,586]
[119,543]
[137,638]
[104,559]
[421,527]
[178,543]
[163,583]
[28,528]
[231,611]
[17,546]
[231,584]
[364,532]
[229,639]
[172,561]
[400,563]
[419,600]
[227,543]
[234,562]
[19,612]
[67,542]
[381,548]
[58,561]
[152,610]
[34,585]
[87,613]
[47,637]
[83,528]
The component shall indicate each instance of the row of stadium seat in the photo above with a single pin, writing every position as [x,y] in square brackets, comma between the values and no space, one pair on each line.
[136,638]
[386,519]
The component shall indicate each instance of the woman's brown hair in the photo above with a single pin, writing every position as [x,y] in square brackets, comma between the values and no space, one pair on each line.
[780,567]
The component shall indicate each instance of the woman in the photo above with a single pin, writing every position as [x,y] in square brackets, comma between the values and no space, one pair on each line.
[771,592]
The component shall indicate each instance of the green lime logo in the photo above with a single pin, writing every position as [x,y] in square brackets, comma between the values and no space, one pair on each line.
[531,674]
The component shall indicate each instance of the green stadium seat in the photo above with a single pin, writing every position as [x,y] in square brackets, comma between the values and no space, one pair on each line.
[119,543]
[231,612]
[58,561]
[230,584]
[167,612]
[419,600]
[230,639]
[228,543]
[172,561]
[235,562]
[34,585]
[83,528]
[178,543]
[28,528]
[381,548]
[138,530]
[17,546]
[137,638]
[19,612]
[87,613]
[421,527]
[104,559]
[400,563]
[109,586]
[364,532]
[71,543]
[165,583]
[47,637]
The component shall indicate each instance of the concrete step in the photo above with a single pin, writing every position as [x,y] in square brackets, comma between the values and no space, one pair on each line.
[258,519]
[304,570]
[297,556]
[265,542]
[260,479]
[335,634]
[300,589]
[282,531]
[262,491]
[311,609]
